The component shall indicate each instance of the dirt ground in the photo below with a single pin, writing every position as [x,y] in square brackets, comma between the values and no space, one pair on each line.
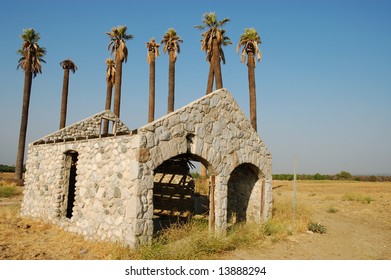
[357,216]
[356,229]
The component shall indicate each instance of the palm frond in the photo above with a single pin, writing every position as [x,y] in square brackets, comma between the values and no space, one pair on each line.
[31,53]
[68,64]
[172,42]
[249,41]
[117,42]
[214,32]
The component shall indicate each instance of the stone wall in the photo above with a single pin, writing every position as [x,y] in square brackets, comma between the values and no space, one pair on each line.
[115,175]
[105,188]
[214,131]
[85,129]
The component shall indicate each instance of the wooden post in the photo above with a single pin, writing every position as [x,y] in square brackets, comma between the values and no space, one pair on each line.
[212,203]
[262,199]
[294,190]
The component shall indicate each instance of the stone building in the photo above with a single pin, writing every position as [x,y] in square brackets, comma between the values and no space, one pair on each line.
[102,185]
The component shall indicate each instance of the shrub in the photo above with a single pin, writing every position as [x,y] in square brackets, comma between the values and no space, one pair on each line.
[317,228]
[7,191]
[357,198]
[332,210]
[372,179]
[318,176]
[343,175]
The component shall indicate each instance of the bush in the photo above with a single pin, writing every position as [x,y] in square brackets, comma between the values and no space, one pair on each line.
[372,179]
[357,198]
[332,210]
[343,175]
[317,228]
[7,191]
[285,177]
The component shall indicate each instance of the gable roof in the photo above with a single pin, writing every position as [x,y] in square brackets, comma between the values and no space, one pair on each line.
[88,128]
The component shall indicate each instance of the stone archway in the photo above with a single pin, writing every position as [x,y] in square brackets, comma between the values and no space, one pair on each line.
[245,194]
[175,197]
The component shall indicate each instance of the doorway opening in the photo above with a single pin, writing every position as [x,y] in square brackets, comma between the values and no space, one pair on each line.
[176,194]
[70,179]
[244,203]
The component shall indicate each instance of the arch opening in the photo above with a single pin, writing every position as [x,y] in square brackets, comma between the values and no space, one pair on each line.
[244,194]
[178,193]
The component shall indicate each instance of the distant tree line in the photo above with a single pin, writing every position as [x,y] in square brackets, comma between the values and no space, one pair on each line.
[7,168]
[343,175]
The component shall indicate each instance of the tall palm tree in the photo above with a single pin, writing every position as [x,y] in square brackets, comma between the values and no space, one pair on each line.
[171,44]
[153,53]
[118,38]
[67,65]
[110,80]
[213,40]
[30,61]
[249,40]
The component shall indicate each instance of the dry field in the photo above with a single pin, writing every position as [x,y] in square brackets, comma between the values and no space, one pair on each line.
[357,216]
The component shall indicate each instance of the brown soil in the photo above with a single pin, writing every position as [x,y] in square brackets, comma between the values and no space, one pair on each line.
[356,229]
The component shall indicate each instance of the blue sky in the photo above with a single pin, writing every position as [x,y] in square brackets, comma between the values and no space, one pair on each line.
[323,86]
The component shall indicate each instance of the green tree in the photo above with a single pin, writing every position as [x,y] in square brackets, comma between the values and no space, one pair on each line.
[213,40]
[343,175]
[110,81]
[171,43]
[249,40]
[67,65]
[118,38]
[30,61]
[153,53]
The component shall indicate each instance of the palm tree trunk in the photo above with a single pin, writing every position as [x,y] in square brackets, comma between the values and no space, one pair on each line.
[252,91]
[209,87]
[216,64]
[64,98]
[109,92]
[215,70]
[151,107]
[171,83]
[117,86]
[23,123]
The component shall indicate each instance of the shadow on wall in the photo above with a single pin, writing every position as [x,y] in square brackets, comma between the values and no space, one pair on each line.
[240,188]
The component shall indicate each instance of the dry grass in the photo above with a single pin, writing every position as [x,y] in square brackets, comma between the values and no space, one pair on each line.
[22,238]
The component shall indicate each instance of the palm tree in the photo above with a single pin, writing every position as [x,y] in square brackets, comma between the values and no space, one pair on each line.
[66,65]
[30,61]
[117,44]
[171,44]
[110,80]
[153,53]
[213,40]
[249,40]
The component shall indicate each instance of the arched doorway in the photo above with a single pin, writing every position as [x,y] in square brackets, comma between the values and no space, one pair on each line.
[176,193]
[244,194]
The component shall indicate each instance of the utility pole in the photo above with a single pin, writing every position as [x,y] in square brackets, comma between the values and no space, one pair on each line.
[294,189]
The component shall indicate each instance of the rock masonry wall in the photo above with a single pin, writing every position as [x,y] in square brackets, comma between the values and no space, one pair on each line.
[105,187]
[114,188]
[88,128]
